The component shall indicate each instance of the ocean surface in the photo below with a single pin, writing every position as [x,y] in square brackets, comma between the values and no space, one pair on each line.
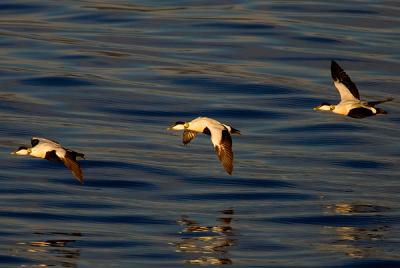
[106,78]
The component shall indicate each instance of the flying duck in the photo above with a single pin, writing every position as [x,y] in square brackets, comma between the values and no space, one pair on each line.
[220,137]
[350,103]
[53,151]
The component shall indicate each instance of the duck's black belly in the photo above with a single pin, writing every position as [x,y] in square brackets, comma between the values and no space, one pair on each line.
[360,112]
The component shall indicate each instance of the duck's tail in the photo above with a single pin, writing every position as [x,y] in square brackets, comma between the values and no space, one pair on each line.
[73,155]
[235,131]
[80,155]
[380,111]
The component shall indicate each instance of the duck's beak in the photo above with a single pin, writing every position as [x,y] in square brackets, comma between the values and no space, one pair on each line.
[316,108]
[171,127]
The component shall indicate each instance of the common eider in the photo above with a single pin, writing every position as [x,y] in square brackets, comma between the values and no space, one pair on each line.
[350,103]
[220,137]
[53,151]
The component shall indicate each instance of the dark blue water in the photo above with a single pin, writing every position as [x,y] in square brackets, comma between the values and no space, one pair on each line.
[107,78]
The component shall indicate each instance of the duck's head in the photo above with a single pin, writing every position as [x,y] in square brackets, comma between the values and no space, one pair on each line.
[22,150]
[325,107]
[179,125]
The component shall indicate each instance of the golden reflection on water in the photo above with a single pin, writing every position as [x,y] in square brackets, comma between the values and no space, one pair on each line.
[210,249]
[346,208]
[352,241]
[59,251]
[21,99]
[356,242]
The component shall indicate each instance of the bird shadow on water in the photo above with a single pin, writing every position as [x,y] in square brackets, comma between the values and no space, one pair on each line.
[206,245]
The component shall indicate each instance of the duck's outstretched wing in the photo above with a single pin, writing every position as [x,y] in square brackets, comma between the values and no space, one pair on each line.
[188,135]
[374,103]
[74,167]
[347,89]
[224,151]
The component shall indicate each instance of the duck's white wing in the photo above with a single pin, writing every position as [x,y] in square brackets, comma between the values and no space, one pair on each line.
[222,142]
[347,89]
[188,135]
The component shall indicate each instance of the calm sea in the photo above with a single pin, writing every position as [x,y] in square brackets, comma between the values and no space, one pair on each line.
[309,189]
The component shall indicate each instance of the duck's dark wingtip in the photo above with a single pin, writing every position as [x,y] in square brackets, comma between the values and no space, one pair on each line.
[335,67]
[334,63]
[79,178]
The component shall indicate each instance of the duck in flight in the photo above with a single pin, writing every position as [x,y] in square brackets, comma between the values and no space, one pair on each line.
[220,137]
[350,103]
[53,151]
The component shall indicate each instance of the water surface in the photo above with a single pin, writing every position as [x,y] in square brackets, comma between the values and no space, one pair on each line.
[106,78]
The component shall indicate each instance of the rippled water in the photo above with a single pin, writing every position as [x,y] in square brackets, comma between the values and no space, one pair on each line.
[107,77]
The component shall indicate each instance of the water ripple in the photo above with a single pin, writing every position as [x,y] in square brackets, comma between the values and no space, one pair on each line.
[309,189]
[243,196]
[339,220]
[56,81]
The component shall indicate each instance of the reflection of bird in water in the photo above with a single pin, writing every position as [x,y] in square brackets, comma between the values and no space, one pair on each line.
[213,247]
[356,242]
[347,208]
[57,251]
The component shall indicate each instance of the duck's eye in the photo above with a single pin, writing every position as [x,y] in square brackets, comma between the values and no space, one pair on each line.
[186,125]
